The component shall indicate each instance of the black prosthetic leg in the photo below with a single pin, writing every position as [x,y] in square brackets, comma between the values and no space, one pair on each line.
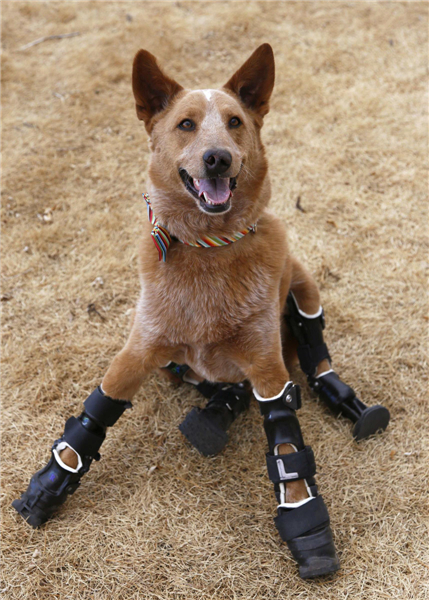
[49,487]
[304,526]
[340,398]
[206,429]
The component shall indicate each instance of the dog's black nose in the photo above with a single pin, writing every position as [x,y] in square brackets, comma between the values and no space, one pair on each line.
[217,161]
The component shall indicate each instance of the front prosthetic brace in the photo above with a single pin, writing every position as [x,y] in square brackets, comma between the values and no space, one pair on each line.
[49,487]
[303,525]
[339,397]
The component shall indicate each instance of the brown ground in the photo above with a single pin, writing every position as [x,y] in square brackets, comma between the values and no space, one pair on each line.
[347,134]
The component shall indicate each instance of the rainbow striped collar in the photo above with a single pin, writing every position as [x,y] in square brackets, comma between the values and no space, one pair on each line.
[162,238]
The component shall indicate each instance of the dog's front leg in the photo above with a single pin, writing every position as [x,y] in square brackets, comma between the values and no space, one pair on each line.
[303,520]
[73,453]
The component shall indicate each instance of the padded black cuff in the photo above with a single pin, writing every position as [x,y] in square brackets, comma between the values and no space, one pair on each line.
[83,441]
[297,521]
[289,467]
[103,409]
[309,357]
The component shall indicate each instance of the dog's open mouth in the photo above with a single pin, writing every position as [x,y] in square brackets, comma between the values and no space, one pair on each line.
[214,193]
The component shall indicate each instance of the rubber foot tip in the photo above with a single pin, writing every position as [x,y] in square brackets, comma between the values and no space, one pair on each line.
[372,420]
[319,565]
[202,433]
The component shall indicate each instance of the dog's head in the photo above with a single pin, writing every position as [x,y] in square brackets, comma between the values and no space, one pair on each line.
[208,167]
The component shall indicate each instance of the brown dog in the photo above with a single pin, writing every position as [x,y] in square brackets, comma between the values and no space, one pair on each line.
[217,299]
[217,309]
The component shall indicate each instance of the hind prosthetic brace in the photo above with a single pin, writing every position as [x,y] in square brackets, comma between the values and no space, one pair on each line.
[206,429]
[303,525]
[49,487]
[339,397]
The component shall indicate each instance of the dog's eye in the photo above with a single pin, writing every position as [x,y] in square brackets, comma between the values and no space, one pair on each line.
[186,125]
[234,122]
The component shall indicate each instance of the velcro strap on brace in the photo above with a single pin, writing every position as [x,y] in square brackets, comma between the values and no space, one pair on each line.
[103,409]
[297,521]
[309,358]
[82,440]
[289,467]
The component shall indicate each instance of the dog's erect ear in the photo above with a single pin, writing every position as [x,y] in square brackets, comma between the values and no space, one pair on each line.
[152,89]
[254,81]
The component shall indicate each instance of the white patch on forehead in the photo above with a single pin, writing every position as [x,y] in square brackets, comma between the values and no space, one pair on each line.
[208,94]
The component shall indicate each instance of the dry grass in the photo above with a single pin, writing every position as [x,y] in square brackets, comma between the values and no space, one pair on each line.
[348,134]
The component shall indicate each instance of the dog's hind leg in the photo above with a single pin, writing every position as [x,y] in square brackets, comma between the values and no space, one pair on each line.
[305,318]
[302,519]
[73,453]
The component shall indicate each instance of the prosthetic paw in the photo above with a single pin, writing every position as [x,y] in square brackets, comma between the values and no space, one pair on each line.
[49,488]
[303,525]
[341,399]
[206,429]
[47,491]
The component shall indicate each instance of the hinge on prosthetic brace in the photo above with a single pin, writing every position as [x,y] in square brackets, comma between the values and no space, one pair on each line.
[290,396]
[49,487]
[304,524]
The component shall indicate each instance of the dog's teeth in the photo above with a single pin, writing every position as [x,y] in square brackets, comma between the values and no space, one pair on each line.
[197,184]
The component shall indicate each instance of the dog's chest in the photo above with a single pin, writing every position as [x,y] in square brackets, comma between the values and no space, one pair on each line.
[194,302]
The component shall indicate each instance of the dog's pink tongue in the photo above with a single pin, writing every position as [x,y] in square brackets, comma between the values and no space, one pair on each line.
[216,190]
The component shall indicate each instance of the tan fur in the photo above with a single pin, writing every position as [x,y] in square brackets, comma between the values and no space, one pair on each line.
[219,309]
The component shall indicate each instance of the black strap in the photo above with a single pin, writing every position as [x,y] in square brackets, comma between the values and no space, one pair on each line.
[309,358]
[208,389]
[297,521]
[313,489]
[310,542]
[82,440]
[234,397]
[103,409]
[290,467]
